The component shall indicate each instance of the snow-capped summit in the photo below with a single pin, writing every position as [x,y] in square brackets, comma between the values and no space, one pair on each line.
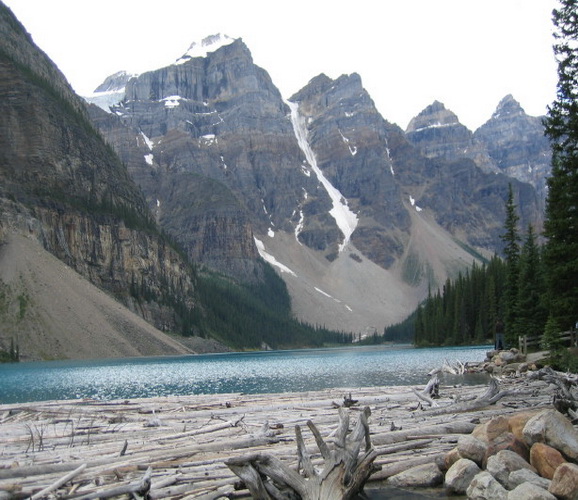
[205,46]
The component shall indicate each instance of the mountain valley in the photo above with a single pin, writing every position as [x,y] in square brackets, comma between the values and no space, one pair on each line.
[201,171]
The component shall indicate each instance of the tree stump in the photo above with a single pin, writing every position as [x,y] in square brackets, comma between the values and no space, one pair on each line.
[343,475]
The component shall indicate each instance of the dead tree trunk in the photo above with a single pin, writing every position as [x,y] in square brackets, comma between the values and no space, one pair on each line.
[491,396]
[343,476]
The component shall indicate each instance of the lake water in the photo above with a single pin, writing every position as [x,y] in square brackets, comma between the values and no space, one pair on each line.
[254,372]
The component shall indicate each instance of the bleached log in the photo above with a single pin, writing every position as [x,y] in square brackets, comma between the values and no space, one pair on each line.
[141,488]
[54,486]
[491,396]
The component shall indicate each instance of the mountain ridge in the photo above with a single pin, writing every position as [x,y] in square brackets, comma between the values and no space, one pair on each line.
[383,174]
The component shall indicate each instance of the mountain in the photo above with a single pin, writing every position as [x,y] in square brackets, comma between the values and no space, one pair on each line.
[510,142]
[62,186]
[516,144]
[358,216]
[438,133]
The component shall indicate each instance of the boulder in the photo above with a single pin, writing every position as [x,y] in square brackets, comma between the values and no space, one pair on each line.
[545,459]
[520,476]
[451,458]
[485,487]
[503,463]
[554,429]
[507,441]
[422,476]
[490,430]
[460,475]
[472,448]
[517,422]
[529,491]
[565,482]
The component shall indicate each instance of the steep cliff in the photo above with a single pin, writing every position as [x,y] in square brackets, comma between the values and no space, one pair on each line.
[62,185]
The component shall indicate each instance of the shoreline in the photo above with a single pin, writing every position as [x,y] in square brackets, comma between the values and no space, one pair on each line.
[186,439]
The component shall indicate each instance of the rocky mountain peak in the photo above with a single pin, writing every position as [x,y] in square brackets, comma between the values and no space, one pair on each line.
[508,106]
[205,46]
[438,133]
[434,115]
[516,143]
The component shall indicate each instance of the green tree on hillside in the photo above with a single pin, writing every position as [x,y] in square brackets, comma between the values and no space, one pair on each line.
[511,240]
[531,312]
[561,225]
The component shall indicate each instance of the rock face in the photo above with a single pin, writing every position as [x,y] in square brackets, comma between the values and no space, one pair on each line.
[64,186]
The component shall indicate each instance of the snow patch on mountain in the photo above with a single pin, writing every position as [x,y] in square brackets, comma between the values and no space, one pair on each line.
[346,219]
[205,46]
[271,259]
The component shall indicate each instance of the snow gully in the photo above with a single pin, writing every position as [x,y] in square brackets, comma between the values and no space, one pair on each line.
[346,219]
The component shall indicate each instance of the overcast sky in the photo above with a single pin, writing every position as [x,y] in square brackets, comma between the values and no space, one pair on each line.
[467,54]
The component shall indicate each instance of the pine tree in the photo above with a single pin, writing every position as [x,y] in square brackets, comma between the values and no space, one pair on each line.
[530,310]
[561,224]
[512,253]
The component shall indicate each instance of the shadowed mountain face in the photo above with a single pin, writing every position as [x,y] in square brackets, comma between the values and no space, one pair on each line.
[61,185]
[321,178]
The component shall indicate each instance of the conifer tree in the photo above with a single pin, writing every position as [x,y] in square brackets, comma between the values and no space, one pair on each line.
[561,224]
[530,310]
[512,253]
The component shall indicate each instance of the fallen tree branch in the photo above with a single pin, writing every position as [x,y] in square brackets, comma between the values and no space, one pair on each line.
[57,484]
[140,488]
[491,396]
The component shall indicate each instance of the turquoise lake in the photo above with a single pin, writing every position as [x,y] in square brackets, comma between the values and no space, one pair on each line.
[253,372]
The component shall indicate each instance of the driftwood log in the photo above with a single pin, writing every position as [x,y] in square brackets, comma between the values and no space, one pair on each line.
[565,398]
[343,476]
[491,396]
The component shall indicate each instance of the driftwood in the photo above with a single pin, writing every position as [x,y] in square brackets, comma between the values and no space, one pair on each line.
[565,398]
[343,476]
[198,434]
[491,396]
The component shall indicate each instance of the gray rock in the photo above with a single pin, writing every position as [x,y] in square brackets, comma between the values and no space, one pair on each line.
[529,491]
[503,463]
[521,476]
[460,475]
[555,430]
[472,448]
[485,487]
[422,476]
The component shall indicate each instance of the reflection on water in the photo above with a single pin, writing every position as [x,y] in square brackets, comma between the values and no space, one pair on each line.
[256,372]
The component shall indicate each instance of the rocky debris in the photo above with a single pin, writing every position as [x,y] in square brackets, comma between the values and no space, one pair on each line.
[549,471]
